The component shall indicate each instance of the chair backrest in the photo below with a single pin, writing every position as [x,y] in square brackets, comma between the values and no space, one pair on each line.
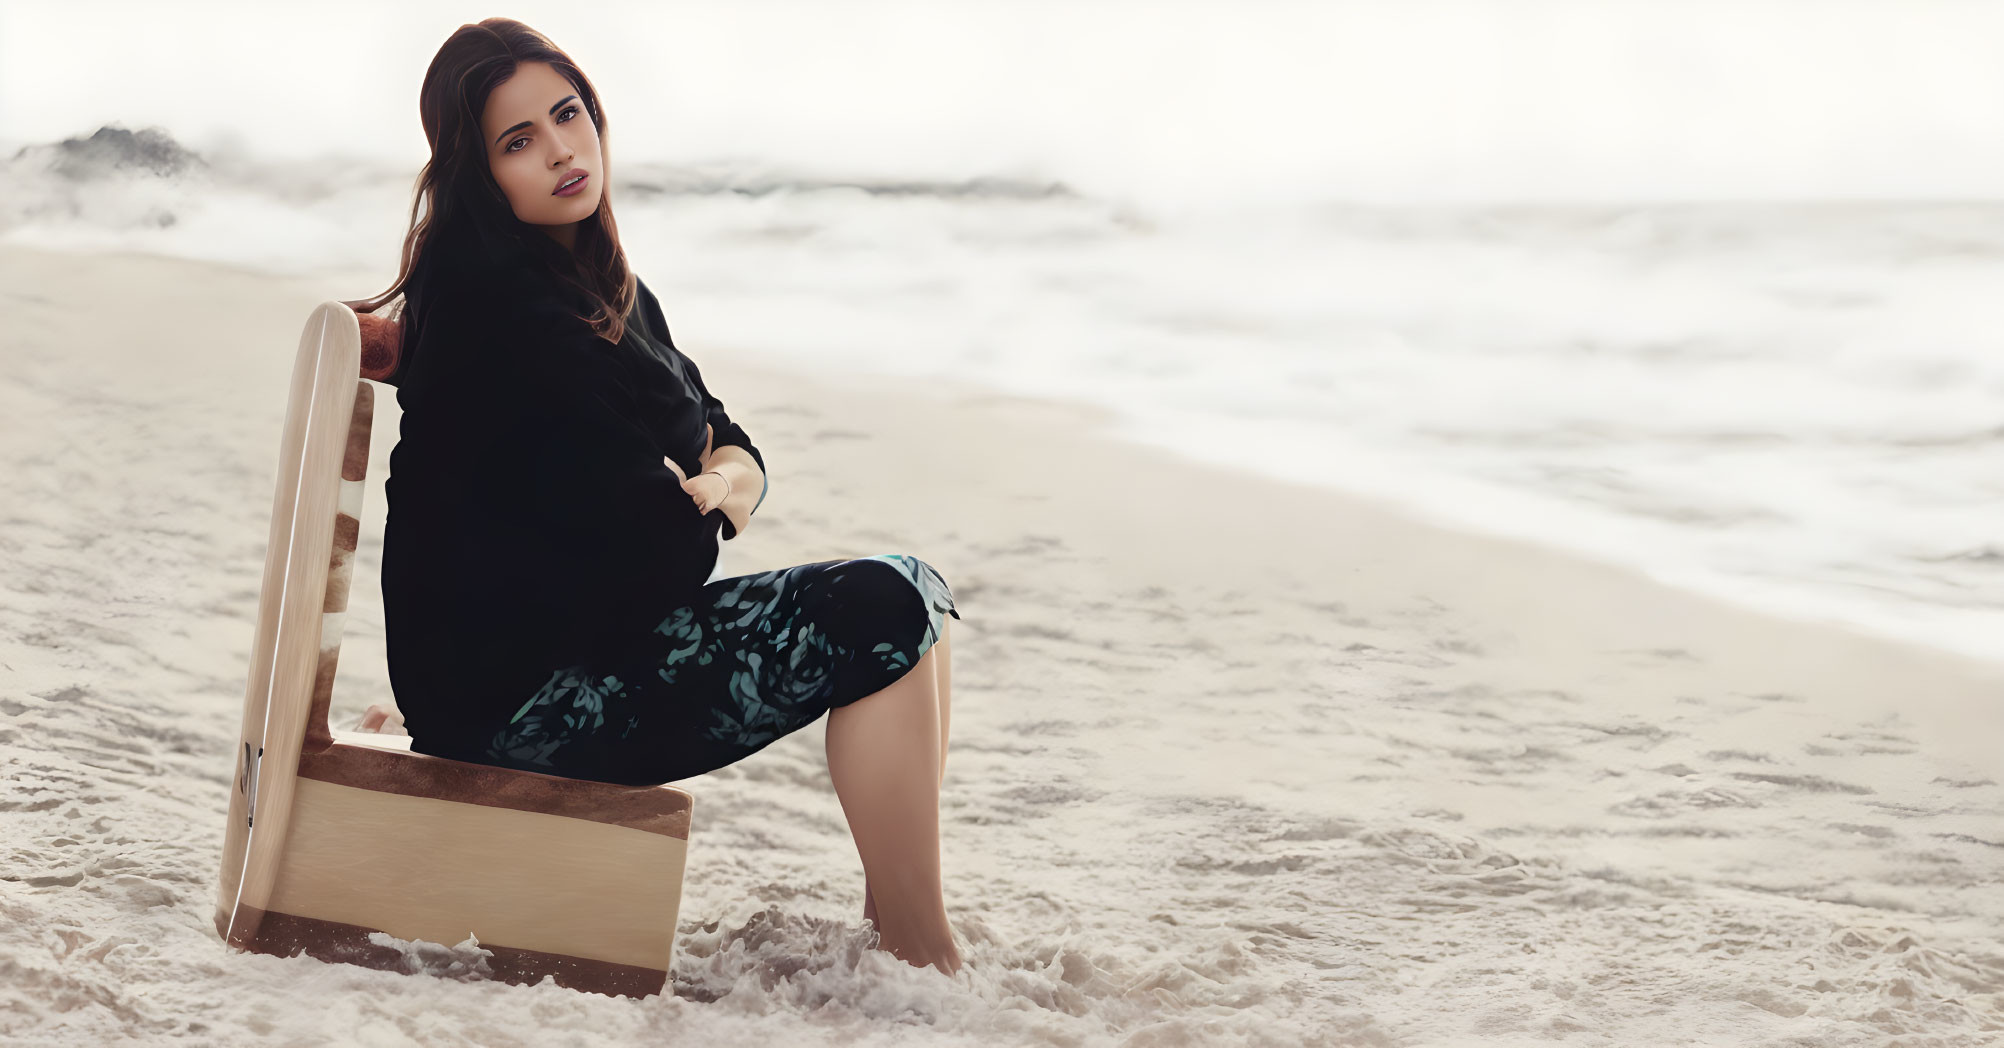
[323,457]
[318,822]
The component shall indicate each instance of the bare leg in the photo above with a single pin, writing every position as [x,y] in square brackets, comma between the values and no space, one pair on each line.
[944,666]
[883,755]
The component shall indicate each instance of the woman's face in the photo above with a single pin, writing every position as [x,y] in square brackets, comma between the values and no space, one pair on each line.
[539,135]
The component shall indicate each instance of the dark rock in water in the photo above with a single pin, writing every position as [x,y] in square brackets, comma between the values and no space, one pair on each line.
[111,149]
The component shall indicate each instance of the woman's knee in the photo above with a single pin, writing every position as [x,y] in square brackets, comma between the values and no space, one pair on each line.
[885,587]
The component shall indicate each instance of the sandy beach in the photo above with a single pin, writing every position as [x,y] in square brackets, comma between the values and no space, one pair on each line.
[1233,761]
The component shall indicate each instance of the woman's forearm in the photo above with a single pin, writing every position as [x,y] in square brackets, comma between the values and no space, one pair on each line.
[746,479]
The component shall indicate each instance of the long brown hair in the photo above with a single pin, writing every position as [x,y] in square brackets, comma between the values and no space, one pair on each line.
[456,186]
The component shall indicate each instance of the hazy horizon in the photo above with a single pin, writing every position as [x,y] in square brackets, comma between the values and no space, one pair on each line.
[1187,106]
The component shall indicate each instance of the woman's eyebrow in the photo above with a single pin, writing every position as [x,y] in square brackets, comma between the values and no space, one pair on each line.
[525,123]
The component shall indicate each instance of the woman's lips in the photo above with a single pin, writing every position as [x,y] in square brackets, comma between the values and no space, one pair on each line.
[574,188]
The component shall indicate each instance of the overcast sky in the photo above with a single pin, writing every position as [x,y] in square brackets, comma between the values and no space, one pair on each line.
[1404,98]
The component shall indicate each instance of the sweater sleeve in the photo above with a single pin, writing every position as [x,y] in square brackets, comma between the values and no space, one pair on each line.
[726,432]
[729,434]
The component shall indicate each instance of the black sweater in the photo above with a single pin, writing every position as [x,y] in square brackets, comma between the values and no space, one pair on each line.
[532,523]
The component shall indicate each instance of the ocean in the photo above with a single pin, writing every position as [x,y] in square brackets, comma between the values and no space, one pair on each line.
[1797,406]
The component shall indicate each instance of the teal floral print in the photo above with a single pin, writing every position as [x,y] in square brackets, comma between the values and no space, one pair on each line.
[759,657]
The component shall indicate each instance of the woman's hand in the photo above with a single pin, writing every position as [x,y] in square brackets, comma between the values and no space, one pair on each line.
[707,490]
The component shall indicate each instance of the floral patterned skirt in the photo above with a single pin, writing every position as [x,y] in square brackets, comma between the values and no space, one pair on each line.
[758,657]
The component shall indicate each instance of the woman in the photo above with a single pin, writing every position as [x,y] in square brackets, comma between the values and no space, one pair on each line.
[560,485]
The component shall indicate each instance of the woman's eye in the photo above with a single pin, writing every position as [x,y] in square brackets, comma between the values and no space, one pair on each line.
[562,118]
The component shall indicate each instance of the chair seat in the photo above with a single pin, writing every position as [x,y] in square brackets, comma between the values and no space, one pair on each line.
[572,878]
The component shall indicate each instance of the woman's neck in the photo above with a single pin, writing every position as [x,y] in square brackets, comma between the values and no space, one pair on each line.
[566,234]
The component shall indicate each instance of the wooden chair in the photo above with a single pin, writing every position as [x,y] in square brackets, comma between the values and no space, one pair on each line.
[333,835]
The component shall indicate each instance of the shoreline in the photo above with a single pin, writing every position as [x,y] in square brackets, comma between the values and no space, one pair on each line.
[1338,550]
[1144,514]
